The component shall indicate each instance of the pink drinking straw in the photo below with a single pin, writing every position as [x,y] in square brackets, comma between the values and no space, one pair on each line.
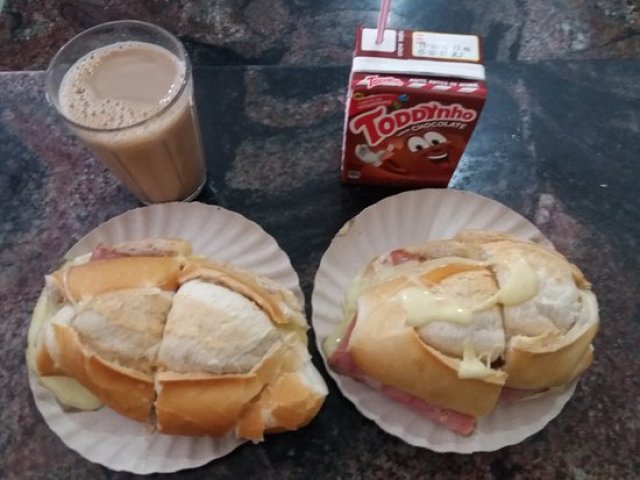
[385,5]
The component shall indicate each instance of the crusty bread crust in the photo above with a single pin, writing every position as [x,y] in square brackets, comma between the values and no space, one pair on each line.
[290,399]
[219,404]
[44,363]
[291,402]
[547,361]
[205,404]
[392,353]
[274,396]
[239,281]
[126,391]
[154,247]
[476,238]
[99,276]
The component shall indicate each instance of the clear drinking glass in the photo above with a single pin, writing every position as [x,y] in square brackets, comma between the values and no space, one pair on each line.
[126,89]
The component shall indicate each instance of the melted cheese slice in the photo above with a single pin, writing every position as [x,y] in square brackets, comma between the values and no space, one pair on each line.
[422,306]
[471,366]
[68,392]
[521,286]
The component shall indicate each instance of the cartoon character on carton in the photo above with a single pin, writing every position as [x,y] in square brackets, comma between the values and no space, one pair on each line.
[415,154]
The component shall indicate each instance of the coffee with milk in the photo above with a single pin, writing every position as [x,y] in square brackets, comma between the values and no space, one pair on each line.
[132,103]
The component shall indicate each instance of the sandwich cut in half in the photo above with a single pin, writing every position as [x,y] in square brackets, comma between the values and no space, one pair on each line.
[450,328]
[185,344]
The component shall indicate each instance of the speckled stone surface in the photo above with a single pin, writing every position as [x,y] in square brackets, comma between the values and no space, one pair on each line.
[557,142]
[302,32]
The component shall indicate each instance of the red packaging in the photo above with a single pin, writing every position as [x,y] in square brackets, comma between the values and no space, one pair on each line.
[412,105]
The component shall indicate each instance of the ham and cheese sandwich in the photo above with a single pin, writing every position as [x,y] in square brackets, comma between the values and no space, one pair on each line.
[191,346]
[452,327]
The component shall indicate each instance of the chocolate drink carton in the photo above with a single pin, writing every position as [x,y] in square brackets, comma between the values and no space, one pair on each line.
[412,105]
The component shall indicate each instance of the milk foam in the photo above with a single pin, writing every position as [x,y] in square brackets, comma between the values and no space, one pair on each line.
[141,68]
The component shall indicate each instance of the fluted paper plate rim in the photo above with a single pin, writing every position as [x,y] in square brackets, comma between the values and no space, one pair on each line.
[108,439]
[404,219]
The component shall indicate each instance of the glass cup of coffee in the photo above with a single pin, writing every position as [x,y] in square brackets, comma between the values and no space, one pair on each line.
[126,89]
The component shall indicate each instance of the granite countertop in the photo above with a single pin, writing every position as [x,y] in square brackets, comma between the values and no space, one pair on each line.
[320,32]
[558,142]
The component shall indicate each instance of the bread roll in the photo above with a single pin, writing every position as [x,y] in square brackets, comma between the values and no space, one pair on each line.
[78,282]
[191,346]
[454,322]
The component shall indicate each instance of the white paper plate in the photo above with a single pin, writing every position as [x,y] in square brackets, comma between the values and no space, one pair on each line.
[111,440]
[401,220]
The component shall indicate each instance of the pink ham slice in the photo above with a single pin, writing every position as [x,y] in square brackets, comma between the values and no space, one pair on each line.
[401,256]
[342,362]
[102,252]
[141,248]
[455,421]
